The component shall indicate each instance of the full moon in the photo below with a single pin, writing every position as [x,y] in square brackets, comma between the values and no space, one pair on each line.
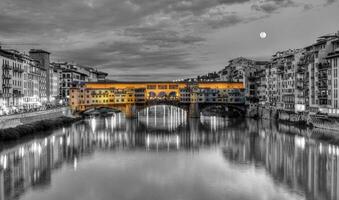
[263,35]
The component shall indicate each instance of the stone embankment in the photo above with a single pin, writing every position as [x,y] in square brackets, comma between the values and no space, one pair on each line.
[18,126]
[11,121]
[30,129]
[305,119]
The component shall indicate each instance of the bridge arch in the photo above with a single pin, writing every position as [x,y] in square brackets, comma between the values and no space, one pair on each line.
[152,94]
[162,94]
[172,94]
[160,106]
[230,110]
[103,109]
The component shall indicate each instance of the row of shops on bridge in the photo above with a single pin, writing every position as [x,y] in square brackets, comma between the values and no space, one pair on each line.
[101,94]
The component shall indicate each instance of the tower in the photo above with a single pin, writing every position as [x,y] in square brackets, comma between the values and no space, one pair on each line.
[44,58]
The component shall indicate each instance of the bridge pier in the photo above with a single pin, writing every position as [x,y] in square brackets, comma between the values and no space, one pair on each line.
[193,110]
[131,111]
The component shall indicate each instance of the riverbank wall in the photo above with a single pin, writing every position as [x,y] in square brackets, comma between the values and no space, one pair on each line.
[12,121]
[302,118]
[40,126]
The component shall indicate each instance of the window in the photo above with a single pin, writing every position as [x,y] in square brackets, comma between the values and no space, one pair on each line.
[173,87]
[162,87]
[151,86]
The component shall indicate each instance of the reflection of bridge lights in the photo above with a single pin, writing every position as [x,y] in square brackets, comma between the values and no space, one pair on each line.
[178,142]
[106,123]
[45,141]
[61,141]
[170,117]
[334,150]
[162,141]
[75,164]
[36,148]
[320,148]
[300,142]
[93,124]
[3,161]
[147,116]
[21,151]
[147,141]
[53,139]
[68,140]
[262,133]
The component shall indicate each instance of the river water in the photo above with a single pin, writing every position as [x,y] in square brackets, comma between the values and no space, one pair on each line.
[168,157]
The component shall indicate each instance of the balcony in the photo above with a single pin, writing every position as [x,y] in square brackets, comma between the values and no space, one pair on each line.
[6,67]
[301,63]
[322,77]
[18,69]
[7,85]
[300,86]
[7,76]
[7,95]
[323,66]
[18,95]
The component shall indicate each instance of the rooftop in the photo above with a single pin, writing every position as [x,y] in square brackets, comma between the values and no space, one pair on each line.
[38,51]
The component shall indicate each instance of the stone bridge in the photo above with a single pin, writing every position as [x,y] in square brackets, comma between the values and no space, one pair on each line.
[132,97]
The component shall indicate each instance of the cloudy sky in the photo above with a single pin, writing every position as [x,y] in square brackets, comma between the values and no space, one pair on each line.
[163,39]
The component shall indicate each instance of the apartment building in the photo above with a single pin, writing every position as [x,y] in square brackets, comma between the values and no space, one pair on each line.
[333,59]
[43,57]
[322,78]
[11,80]
[31,82]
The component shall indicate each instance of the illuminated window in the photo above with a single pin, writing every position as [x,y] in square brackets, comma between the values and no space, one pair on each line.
[162,87]
[173,87]
[151,87]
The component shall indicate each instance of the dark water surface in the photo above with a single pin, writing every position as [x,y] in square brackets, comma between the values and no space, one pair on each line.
[171,158]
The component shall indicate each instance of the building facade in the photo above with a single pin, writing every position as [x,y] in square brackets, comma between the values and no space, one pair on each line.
[11,81]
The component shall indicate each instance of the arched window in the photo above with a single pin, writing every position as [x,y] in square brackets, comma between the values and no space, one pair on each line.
[172,94]
[162,94]
[151,94]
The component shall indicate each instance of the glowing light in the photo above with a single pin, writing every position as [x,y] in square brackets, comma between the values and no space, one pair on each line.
[178,142]
[147,141]
[75,164]
[21,151]
[93,124]
[263,35]
[5,162]
[300,142]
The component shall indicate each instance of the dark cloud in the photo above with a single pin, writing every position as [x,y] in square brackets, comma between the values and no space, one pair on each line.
[131,57]
[224,21]
[308,6]
[125,37]
[328,2]
[270,6]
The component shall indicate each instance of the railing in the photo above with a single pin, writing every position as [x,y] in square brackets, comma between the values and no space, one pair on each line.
[6,95]
[7,76]
[5,66]
[18,95]
[8,121]
[18,69]
[7,85]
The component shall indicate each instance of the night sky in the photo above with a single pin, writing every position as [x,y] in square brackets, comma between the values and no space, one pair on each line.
[163,39]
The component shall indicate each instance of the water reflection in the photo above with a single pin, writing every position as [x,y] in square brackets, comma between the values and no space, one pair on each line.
[306,167]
